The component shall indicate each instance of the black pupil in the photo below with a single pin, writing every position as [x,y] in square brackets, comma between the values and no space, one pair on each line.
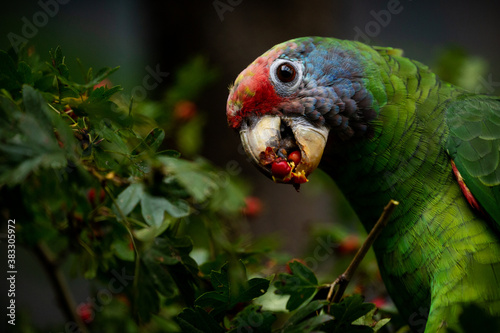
[286,73]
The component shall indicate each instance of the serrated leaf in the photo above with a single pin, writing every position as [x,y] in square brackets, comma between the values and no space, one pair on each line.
[256,288]
[114,142]
[129,198]
[197,321]
[151,143]
[34,144]
[158,273]
[198,182]
[102,94]
[231,289]
[301,285]
[101,75]
[150,233]
[351,315]
[350,309]
[171,256]
[252,319]
[154,139]
[153,209]
[304,312]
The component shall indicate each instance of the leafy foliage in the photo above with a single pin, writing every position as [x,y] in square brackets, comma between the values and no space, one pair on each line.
[103,190]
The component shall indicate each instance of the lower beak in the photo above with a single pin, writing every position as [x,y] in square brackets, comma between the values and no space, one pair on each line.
[271,134]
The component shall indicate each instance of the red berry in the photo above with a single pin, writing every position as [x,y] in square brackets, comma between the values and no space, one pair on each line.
[104,83]
[295,157]
[349,245]
[91,195]
[379,302]
[253,207]
[280,169]
[185,110]
[86,313]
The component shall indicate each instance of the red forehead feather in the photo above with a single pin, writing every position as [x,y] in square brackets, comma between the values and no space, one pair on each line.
[253,93]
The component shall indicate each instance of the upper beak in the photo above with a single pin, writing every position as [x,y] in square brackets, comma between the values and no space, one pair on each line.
[272,131]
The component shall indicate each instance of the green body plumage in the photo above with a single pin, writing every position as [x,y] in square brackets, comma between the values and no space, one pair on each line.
[437,254]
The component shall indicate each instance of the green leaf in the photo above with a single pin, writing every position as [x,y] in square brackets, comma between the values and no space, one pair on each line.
[350,309]
[101,75]
[102,94]
[351,315]
[34,144]
[153,209]
[197,181]
[155,138]
[171,255]
[115,142]
[150,233]
[129,198]
[58,63]
[252,319]
[231,288]
[198,321]
[305,312]
[148,301]
[158,273]
[152,141]
[301,285]
[122,249]
[368,320]
[256,288]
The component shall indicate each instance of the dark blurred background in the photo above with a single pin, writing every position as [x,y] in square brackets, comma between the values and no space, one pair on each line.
[230,34]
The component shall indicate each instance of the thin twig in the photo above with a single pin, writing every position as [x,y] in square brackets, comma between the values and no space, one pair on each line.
[137,258]
[343,280]
[60,285]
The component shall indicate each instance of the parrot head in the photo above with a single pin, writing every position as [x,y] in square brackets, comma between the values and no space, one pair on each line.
[294,98]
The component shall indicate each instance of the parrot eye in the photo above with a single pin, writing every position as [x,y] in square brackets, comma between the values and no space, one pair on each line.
[286,76]
[285,72]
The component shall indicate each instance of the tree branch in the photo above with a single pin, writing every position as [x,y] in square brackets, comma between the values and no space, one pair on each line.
[343,280]
[60,285]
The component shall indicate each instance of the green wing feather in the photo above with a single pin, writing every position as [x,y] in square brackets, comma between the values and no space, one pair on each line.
[474,145]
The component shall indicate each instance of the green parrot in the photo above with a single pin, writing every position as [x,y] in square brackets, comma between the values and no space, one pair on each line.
[385,127]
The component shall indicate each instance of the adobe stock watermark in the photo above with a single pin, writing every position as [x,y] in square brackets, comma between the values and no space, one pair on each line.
[150,82]
[222,6]
[418,319]
[30,28]
[381,19]
[486,86]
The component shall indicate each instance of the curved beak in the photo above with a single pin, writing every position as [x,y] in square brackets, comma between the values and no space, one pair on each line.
[279,136]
